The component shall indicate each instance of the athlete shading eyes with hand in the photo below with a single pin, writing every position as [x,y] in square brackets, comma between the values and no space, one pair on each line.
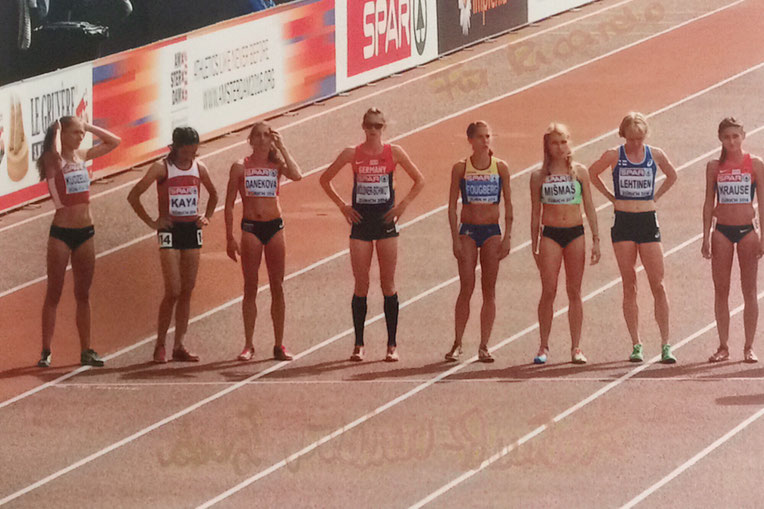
[256,178]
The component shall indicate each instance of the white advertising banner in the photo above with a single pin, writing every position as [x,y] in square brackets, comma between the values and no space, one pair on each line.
[232,74]
[376,38]
[27,109]
[540,9]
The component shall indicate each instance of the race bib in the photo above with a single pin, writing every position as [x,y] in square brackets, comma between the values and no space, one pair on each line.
[165,239]
[482,188]
[635,182]
[372,189]
[77,180]
[184,201]
[199,237]
[735,187]
[261,182]
[559,190]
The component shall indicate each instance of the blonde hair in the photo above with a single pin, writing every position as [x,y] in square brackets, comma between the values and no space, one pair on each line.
[562,130]
[726,123]
[633,121]
[473,127]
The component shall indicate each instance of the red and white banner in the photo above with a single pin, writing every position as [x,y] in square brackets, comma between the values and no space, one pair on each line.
[376,38]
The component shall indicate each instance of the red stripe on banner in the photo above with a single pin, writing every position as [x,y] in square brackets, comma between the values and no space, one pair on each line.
[27,194]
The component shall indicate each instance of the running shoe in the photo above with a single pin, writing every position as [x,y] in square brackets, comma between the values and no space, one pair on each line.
[90,358]
[455,353]
[357,354]
[280,353]
[160,355]
[722,354]
[666,356]
[392,354]
[44,361]
[749,356]
[247,353]
[636,353]
[183,355]
[578,357]
[542,357]
[484,355]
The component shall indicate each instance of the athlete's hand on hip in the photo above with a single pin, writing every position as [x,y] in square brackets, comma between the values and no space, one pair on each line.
[351,214]
[506,247]
[394,213]
[232,249]
[162,223]
[595,253]
[202,221]
[705,250]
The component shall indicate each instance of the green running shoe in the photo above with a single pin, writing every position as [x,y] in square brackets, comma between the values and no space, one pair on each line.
[666,356]
[636,353]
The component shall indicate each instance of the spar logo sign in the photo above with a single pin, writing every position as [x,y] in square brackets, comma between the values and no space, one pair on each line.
[381,32]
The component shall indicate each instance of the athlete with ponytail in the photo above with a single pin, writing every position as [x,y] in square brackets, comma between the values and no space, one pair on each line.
[481,179]
[62,165]
[179,225]
[256,178]
[558,189]
[731,183]
[373,214]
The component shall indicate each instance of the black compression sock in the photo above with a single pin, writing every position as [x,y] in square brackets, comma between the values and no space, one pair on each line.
[391,318]
[359,317]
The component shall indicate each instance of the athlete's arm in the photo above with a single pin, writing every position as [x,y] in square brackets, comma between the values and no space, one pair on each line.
[154,173]
[212,201]
[667,168]
[290,169]
[401,157]
[607,160]
[109,141]
[457,172]
[708,207]
[506,240]
[536,180]
[758,168]
[345,157]
[591,212]
[232,247]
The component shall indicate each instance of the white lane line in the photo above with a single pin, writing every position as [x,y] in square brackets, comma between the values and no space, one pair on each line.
[314,348]
[513,446]
[344,252]
[403,397]
[461,112]
[410,381]
[196,318]
[354,101]
[692,461]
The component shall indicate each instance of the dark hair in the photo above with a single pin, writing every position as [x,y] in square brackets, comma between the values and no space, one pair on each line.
[273,154]
[373,111]
[49,142]
[181,137]
[724,124]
